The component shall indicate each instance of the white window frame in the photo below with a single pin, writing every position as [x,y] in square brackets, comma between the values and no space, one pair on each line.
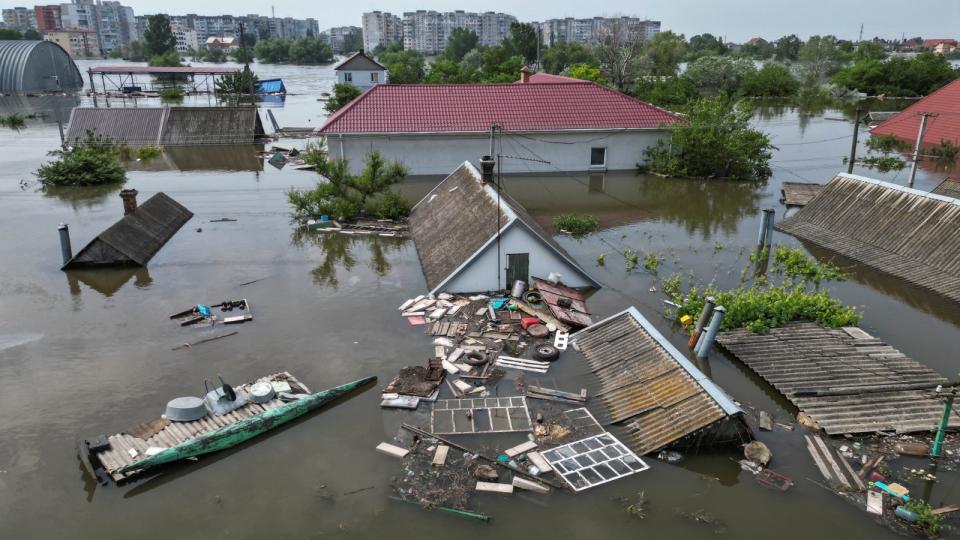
[598,165]
[347,77]
[374,77]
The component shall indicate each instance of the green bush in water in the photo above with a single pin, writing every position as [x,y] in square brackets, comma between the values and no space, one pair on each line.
[93,161]
[576,224]
[171,93]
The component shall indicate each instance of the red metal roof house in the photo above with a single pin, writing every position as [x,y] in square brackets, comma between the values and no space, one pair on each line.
[554,123]
[943,124]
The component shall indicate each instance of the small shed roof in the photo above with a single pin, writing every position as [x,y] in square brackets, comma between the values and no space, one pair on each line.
[359,61]
[136,237]
[473,108]
[647,384]
[460,217]
[942,125]
[907,233]
[271,86]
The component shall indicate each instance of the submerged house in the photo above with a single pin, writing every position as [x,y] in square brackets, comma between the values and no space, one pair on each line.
[137,237]
[268,87]
[904,232]
[470,236]
[653,391]
[943,124]
[361,71]
[552,124]
[167,126]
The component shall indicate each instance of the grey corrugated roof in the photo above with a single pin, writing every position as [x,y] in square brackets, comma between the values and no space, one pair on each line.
[168,126]
[950,187]
[37,66]
[136,237]
[904,232]
[359,61]
[647,384]
[458,218]
[882,388]
[138,126]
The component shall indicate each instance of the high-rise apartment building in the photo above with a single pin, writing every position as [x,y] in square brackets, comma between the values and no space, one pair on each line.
[228,26]
[336,36]
[590,31]
[19,18]
[428,31]
[47,17]
[113,22]
[381,29]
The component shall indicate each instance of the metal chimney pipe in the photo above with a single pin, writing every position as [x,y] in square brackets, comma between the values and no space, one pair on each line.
[129,197]
[486,169]
[702,321]
[707,343]
[768,219]
[66,251]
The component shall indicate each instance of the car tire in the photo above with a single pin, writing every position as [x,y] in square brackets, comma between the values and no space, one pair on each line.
[546,352]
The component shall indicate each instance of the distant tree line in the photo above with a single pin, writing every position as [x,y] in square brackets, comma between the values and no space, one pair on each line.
[28,34]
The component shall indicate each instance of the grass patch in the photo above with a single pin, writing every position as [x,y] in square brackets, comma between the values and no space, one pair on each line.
[576,225]
[652,261]
[794,264]
[171,93]
[602,259]
[884,163]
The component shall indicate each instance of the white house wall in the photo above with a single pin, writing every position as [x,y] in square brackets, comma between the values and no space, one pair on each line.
[438,154]
[481,274]
[361,78]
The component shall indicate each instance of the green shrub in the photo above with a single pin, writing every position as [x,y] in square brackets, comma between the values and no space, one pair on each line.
[945,153]
[793,263]
[93,161]
[884,163]
[171,93]
[926,519]
[652,261]
[13,121]
[146,153]
[390,205]
[886,144]
[759,308]
[576,224]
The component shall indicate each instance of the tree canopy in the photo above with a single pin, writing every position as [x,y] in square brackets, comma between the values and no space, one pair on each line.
[705,45]
[917,76]
[522,41]
[158,38]
[460,42]
[787,48]
[563,55]
[353,41]
[662,54]
[721,73]
[343,93]
[403,67]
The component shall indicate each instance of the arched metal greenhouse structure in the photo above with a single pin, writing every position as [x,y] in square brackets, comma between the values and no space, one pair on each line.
[37,66]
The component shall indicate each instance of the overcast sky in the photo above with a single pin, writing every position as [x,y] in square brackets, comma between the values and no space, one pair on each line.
[738,20]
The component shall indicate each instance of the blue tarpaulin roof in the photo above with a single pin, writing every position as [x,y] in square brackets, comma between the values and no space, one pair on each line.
[271,86]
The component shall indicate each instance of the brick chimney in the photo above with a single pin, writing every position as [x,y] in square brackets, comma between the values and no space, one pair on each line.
[129,197]
[486,169]
[525,75]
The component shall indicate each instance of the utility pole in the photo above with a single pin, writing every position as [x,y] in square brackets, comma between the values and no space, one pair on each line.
[247,74]
[861,34]
[916,148]
[853,145]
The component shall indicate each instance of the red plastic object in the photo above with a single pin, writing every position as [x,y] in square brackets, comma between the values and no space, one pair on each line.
[526,322]
[877,477]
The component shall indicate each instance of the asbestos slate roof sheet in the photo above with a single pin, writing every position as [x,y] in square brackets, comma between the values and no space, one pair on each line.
[647,384]
[881,382]
[138,126]
[904,232]
[430,108]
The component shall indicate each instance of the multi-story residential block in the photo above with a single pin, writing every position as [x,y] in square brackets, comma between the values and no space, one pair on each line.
[78,42]
[381,29]
[186,37]
[228,26]
[47,17]
[428,31]
[590,31]
[19,18]
[113,22]
[336,36]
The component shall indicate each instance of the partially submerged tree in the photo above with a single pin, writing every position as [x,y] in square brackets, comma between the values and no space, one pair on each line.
[346,196]
[238,82]
[663,53]
[714,141]
[93,161]
[343,93]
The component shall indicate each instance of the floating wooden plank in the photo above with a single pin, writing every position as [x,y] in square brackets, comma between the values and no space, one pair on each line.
[946,509]
[765,421]
[581,397]
[187,345]
[529,485]
[440,456]
[492,487]
[799,193]
[520,449]
[455,355]
[391,450]
[537,459]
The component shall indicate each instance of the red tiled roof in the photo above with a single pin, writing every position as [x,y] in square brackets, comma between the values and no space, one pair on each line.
[419,108]
[945,103]
[934,42]
[547,78]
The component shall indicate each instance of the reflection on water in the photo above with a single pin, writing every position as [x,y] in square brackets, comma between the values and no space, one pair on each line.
[48,108]
[82,197]
[338,253]
[107,281]
[226,157]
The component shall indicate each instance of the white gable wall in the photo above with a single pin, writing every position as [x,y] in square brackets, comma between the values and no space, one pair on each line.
[440,153]
[361,78]
[481,274]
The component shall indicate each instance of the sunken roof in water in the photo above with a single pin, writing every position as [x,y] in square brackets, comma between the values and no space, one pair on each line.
[649,387]
[168,126]
[843,378]
[137,237]
[904,232]
[950,187]
[458,218]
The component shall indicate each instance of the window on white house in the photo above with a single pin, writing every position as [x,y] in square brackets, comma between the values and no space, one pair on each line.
[348,77]
[374,76]
[598,157]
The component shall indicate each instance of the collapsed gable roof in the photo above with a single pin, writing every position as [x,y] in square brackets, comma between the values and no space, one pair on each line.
[647,384]
[473,108]
[460,217]
[136,237]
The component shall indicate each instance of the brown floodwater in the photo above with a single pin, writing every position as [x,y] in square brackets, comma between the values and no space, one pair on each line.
[85,353]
